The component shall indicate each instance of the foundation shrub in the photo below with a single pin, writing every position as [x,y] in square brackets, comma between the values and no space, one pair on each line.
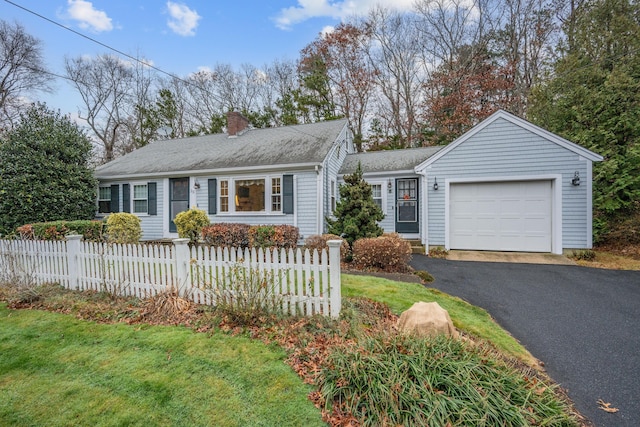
[190,224]
[90,230]
[262,236]
[123,227]
[251,236]
[286,236]
[226,235]
[319,243]
[389,253]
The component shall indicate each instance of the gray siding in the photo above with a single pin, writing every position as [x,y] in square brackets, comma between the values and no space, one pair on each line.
[305,200]
[333,163]
[504,149]
[151,224]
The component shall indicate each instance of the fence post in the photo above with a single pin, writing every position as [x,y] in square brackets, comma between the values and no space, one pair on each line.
[182,263]
[334,278]
[73,253]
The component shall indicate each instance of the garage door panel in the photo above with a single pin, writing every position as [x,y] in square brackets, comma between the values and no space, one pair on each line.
[501,216]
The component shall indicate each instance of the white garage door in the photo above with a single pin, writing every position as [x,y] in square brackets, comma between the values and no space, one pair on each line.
[501,216]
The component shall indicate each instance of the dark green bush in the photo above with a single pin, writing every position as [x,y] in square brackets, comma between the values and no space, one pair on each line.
[90,230]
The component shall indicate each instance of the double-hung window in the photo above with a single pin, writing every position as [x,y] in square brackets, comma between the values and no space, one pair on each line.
[376,191]
[276,194]
[140,199]
[261,194]
[104,199]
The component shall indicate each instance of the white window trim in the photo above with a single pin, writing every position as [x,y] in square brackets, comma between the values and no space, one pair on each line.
[98,213]
[383,193]
[132,197]
[268,211]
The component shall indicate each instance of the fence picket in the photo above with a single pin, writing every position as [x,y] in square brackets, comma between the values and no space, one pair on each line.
[302,279]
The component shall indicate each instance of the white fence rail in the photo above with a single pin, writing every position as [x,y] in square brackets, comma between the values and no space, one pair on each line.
[302,282]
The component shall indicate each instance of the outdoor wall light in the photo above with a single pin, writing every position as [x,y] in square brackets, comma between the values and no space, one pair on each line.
[389,185]
[196,185]
[435,184]
[576,179]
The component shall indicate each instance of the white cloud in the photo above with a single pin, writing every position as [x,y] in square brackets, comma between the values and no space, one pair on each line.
[327,30]
[307,9]
[183,21]
[89,18]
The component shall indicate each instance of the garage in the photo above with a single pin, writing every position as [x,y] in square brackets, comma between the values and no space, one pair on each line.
[501,216]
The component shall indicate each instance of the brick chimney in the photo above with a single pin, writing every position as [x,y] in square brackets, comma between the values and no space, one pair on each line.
[236,123]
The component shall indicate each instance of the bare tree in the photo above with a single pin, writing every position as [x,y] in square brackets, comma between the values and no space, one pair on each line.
[394,55]
[351,76]
[105,86]
[22,70]
[525,44]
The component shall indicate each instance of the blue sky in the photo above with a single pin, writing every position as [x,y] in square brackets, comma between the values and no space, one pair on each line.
[180,37]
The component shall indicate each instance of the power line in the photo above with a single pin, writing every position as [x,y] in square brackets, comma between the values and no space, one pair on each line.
[119,52]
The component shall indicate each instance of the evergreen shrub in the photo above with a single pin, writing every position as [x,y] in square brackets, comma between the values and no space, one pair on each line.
[123,227]
[190,223]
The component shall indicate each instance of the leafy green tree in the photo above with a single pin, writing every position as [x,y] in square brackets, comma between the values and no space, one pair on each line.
[594,99]
[356,214]
[44,172]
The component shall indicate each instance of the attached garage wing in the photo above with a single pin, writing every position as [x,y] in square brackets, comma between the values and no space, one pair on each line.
[501,216]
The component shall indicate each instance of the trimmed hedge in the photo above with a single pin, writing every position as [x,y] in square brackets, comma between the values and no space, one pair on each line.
[251,236]
[389,252]
[123,227]
[90,230]
[319,242]
[190,223]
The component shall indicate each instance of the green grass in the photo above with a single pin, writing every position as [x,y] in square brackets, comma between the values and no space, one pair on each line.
[399,296]
[59,371]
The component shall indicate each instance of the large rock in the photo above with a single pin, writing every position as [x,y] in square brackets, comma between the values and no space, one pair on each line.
[427,319]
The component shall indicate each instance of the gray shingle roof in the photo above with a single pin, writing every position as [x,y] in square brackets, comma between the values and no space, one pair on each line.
[388,161]
[288,145]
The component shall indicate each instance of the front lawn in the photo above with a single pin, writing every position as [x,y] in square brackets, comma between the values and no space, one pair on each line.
[56,370]
[124,365]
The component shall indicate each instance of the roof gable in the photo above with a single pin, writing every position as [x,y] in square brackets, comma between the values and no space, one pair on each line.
[517,121]
[283,147]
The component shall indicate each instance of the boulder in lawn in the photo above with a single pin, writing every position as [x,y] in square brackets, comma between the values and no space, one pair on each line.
[427,319]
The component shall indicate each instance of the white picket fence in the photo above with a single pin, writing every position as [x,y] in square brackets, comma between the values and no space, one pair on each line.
[302,282]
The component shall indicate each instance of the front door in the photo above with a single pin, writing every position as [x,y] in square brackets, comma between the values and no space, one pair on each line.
[407,206]
[178,199]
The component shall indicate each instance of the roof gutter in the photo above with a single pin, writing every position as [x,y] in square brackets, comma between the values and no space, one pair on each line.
[219,171]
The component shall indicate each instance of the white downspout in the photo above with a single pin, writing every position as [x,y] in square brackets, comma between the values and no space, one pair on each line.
[424,212]
[320,199]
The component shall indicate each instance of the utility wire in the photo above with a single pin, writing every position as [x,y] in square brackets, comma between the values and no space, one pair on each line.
[173,76]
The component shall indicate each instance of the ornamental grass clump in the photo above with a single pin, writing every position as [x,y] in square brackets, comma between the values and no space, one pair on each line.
[247,296]
[391,380]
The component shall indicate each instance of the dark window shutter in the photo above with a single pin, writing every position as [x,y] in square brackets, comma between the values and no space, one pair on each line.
[115,198]
[126,198]
[213,195]
[152,198]
[287,194]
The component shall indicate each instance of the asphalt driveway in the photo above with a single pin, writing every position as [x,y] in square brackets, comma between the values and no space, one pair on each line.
[583,323]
